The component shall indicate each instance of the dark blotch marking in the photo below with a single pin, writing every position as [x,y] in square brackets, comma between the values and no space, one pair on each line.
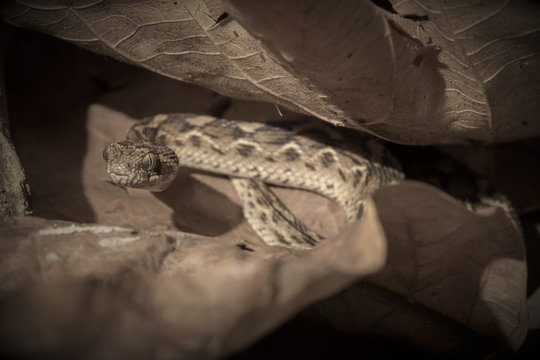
[342,175]
[217,150]
[178,143]
[351,157]
[235,170]
[280,238]
[195,140]
[281,140]
[275,217]
[263,218]
[135,134]
[329,186]
[269,158]
[327,159]
[245,149]
[238,133]
[149,133]
[349,55]
[162,140]
[291,154]
[357,177]
[251,204]
[310,240]
[367,180]
[186,126]
[316,146]
[244,247]
[310,167]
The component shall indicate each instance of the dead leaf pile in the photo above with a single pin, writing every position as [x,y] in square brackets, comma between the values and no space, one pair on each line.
[104,272]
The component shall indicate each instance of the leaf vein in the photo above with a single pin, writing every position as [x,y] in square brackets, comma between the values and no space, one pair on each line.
[508,64]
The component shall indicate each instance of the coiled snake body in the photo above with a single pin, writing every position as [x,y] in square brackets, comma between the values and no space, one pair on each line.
[308,156]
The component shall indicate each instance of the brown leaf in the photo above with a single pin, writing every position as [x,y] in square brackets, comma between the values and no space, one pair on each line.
[203,296]
[453,75]
[444,262]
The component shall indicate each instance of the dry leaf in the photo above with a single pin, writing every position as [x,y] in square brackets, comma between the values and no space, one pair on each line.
[454,73]
[444,263]
[190,295]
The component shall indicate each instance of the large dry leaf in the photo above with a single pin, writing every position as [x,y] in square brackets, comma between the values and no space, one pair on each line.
[193,296]
[444,263]
[461,72]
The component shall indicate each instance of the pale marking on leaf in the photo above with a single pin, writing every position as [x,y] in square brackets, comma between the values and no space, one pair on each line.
[525,33]
[245,56]
[78,40]
[226,42]
[500,305]
[426,8]
[272,78]
[178,53]
[464,111]
[395,6]
[58,21]
[508,64]
[141,26]
[234,77]
[443,34]
[400,4]
[480,91]
[479,21]
[53,8]
[21,15]
[460,74]
[118,241]
[512,48]
[460,6]
[110,17]
[466,96]
[461,125]
[456,59]
[73,228]
[182,39]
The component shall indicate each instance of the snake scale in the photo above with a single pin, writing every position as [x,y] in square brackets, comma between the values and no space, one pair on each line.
[311,156]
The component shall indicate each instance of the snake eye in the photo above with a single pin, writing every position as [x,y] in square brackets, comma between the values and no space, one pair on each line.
[107,152]
[149,162]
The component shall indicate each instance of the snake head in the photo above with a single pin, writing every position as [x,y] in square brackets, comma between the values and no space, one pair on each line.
[140,164]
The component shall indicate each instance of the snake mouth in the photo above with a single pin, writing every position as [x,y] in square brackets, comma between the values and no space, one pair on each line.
[120,179]
[139,181]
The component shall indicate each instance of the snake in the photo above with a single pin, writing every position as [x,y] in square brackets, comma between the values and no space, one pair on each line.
[312,156]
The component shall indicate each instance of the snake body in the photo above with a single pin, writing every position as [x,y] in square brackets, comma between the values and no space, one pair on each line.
[315,157]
